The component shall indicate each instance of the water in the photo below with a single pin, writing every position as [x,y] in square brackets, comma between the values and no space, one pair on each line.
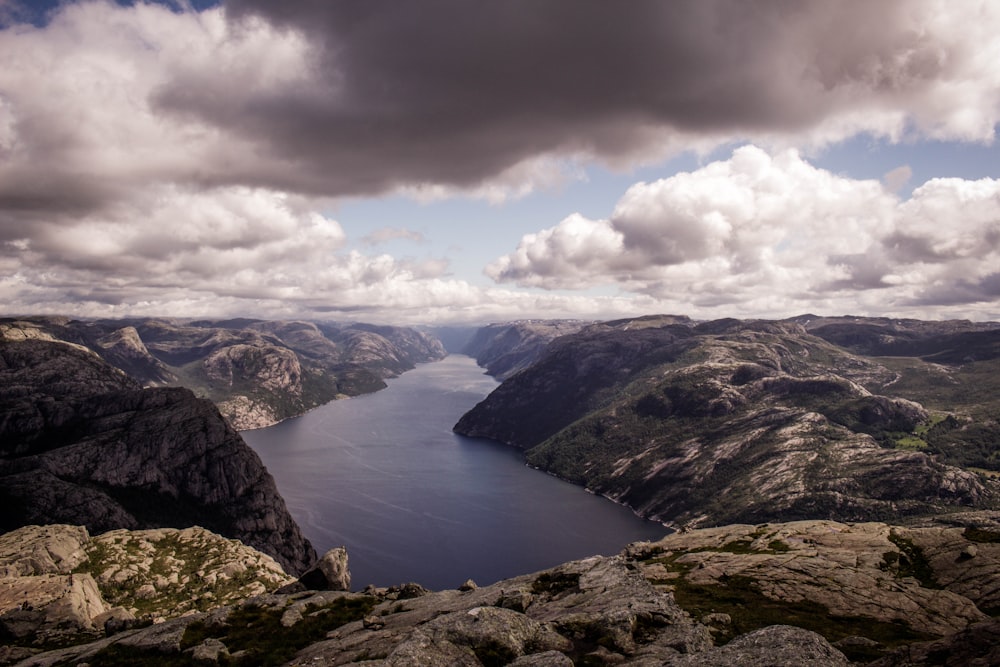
[384,475]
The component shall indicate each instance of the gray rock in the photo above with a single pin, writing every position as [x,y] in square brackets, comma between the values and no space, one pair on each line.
[115,620]
[502,633]
[773,646]
[850,570]
[330,573]
[33,550]
[976,646]
[48,607]
[210,650]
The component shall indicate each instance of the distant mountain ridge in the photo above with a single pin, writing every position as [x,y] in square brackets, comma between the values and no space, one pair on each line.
[257,372]
[507,347]
[734,421]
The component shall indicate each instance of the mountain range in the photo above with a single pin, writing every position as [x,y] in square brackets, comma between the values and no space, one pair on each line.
[707,423]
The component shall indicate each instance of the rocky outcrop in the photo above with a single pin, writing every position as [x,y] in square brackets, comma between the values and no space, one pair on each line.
[330,573]
[58,584]
[737,422]
[81,443]
[597,611]
[123,348]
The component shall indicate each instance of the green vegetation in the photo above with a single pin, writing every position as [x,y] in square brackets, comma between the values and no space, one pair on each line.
[166,556]
[259,632]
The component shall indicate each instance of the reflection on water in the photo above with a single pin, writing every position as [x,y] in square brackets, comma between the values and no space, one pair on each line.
[384,475]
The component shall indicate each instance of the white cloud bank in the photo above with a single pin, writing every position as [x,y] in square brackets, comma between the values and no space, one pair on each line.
[774,235]
[180,163]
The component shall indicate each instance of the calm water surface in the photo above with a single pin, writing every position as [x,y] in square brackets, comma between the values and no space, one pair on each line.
[384,475]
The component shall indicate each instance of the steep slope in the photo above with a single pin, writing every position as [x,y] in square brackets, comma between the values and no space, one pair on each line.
[82,443]
[724,422]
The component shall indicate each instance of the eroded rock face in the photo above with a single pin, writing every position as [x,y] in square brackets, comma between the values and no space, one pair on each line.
[81,443]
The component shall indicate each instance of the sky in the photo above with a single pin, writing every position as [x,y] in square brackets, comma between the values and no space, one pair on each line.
[454,162]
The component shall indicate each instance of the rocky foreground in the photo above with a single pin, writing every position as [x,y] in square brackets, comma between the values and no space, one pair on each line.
[810,592]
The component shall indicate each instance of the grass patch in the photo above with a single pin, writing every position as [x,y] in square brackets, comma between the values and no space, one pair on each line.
[258,630]
[911,442]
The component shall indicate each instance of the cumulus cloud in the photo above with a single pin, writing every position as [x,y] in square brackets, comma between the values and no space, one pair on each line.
[774,234]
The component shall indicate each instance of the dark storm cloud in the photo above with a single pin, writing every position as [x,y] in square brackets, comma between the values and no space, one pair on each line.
[453,92]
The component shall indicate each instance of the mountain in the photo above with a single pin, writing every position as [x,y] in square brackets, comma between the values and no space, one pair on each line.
[698,424]
[257,372]
[503,349]
[81,442]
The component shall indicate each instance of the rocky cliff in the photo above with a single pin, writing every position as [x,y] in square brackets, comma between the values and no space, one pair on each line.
[257,372]
[728,422]
[82,443]
[803,593]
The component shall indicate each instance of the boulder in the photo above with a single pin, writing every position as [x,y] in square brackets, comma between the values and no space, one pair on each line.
[330,573]
[769,647]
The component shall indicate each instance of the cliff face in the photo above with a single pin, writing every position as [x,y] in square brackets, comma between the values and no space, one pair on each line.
[82,443]
[257,372]
[728,421]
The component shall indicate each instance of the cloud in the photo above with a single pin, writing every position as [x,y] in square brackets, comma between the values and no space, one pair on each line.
[331,99]
[774,233]
[451,93]
[159,160]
